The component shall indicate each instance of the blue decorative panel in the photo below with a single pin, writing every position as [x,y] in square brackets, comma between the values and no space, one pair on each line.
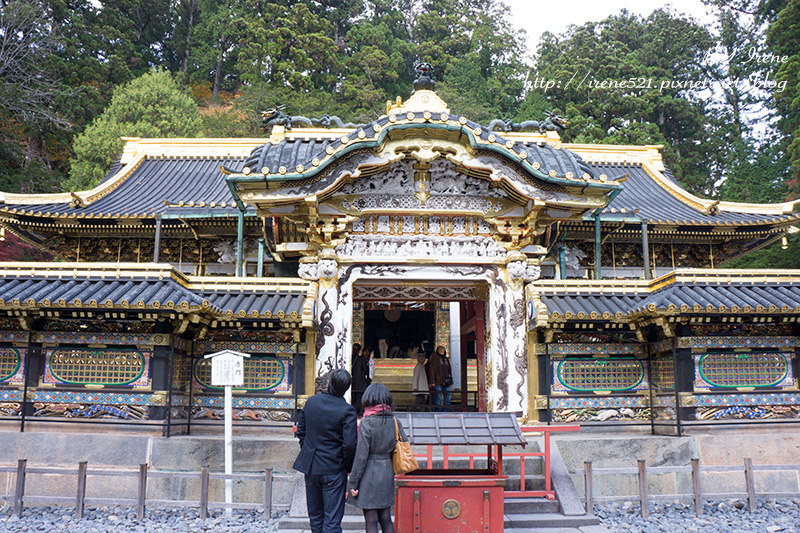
[739,342]
[244,402]
[105,398]
[627,348]
[598,402]
[118,339]
[249,347]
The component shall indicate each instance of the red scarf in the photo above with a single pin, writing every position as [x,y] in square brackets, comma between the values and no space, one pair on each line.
[375,409]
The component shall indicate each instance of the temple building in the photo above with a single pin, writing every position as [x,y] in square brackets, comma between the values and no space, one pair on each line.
[569,282]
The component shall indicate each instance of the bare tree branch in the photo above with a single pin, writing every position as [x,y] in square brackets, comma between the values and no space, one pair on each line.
[27,39]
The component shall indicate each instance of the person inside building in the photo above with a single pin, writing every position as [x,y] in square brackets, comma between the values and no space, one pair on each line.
[371,485]
[394,348]
[326,429]
[382,334]
[361,377]
[440,378]
[419,385]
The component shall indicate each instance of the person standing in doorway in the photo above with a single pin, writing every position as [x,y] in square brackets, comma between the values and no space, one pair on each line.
[440,378]
[383,339]
[361,376]
[327,433]
[419,384]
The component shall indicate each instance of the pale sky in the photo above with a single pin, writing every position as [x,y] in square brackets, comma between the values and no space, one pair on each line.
[538,16]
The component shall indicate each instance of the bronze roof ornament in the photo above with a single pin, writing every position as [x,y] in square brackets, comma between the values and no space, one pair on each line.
[424,80]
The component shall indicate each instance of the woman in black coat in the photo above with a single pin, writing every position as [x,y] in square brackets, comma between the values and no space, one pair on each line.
[360,373]
[371,482]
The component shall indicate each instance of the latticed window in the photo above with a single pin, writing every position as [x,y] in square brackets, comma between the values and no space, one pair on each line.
[744,369]
[612,374]
[260,373]
[10,361]
[91,366]
[663,373]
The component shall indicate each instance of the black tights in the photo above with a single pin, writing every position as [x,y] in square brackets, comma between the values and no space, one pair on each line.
[373,517]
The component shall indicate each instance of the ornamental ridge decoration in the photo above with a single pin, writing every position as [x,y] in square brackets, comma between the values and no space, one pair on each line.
[400,292]
[246,347]
[421,246]
[137,339]
[739,342]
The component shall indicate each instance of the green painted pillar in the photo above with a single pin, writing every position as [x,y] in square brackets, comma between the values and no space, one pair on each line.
[240,245]
[260,270]
[598,271]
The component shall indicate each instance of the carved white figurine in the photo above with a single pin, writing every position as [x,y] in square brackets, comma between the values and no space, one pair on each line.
[307,271]
[533,272]
[516,269]
[226,251]
[572,260]
[327,268]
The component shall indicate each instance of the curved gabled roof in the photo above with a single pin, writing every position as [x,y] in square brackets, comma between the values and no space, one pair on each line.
[76,287]
[650,201]
[153,187]
[302,157]
[157,176]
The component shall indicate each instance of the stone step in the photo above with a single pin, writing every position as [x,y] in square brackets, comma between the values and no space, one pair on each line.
[520,521]
[525,521]
[556,529]
[529,505]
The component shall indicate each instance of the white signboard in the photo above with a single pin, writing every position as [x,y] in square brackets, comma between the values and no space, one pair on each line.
[227,368]
[227,371]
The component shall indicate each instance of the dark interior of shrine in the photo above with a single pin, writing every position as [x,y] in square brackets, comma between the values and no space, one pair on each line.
[402,329]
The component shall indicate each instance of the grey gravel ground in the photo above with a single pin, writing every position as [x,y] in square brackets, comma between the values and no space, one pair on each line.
[728,516]
[104,519]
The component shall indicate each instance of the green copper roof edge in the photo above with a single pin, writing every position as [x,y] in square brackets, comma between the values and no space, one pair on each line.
[234,179]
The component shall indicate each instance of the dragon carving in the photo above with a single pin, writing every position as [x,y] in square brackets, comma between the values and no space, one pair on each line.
[552,122]
[276,117]
[324,327]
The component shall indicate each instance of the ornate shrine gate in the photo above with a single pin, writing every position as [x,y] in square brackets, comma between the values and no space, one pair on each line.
[501,353]
[420,200]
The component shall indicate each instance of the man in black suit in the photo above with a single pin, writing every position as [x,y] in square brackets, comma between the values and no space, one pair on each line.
[327,433]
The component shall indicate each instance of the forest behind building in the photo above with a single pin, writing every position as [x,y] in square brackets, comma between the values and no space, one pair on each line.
[722,96]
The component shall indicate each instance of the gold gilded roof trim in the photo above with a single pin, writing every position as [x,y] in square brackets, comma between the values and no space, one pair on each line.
[681,275]
[227,283]
[189,148]
[651,160]
[93,270]
[81,198]
[149,270]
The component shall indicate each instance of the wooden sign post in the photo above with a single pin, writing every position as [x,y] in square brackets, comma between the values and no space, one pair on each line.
[227,370]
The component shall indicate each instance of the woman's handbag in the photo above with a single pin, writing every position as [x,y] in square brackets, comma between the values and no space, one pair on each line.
[403,459]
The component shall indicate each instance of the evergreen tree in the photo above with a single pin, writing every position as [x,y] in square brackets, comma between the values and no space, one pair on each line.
[658,58]
[783,38]
[152,105]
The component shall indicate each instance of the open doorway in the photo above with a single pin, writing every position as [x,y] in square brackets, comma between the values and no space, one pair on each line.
[411,327]
[393,332]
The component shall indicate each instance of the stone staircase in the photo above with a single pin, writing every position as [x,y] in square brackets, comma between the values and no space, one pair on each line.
[397,375]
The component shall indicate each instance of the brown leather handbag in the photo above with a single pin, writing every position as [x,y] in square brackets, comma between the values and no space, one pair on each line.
[403,459]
